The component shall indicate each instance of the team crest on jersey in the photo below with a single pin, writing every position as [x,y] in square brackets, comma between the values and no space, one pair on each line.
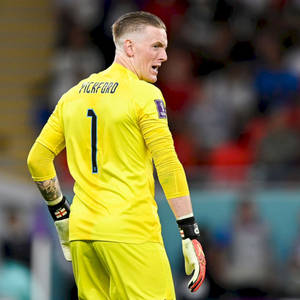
[161,109]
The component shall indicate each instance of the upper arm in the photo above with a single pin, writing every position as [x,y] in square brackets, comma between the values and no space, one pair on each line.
[153,123]
[158,138]
[40,162]
[152,113]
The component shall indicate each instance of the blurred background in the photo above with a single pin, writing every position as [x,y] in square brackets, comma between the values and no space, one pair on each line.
[231,84]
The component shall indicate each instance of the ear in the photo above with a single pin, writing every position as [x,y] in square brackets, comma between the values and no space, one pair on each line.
[128,47]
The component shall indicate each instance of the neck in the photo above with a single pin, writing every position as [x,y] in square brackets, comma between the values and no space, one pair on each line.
[125,62]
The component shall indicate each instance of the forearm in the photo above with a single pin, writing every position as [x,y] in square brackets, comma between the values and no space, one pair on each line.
[181,207]
[41,166]
[173,180]
[50,190]
[170,172]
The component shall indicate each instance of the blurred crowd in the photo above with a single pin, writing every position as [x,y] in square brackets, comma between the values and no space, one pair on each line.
[231,82]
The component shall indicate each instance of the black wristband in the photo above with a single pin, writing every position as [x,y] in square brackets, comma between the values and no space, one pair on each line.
[188,228]
[60,211]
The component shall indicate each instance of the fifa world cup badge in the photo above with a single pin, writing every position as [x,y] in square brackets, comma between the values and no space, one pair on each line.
[161,109]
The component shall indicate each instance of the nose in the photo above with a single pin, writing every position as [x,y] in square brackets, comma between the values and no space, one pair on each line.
[163,56]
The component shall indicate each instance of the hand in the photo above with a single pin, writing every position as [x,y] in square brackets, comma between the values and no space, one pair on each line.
[60,213]
[194,257]
[62,228]
[194,260]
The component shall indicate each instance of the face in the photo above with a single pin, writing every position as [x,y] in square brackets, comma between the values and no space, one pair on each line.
[149,52]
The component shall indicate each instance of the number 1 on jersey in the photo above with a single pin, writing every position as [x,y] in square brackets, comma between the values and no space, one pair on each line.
[91,113]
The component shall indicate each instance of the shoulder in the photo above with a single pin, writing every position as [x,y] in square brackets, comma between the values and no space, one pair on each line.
[146,87]
[145,92]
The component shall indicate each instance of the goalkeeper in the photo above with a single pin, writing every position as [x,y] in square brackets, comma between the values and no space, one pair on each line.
[113,124]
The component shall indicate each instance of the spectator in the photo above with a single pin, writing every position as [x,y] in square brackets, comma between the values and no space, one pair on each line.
[86,12]
[214,55]
[275,85]
[226,102]
[16,240]
[249,253]
[278,150]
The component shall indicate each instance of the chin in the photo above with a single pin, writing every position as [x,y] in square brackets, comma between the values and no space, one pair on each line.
[151,79]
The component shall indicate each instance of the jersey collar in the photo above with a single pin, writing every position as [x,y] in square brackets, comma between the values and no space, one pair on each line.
[119,68]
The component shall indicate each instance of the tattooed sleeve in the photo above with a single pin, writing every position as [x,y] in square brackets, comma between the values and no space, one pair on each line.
[50,189]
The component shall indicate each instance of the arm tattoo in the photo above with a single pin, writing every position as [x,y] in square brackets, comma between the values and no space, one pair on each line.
[50,189]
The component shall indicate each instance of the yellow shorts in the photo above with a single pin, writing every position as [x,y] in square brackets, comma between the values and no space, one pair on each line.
[119,271]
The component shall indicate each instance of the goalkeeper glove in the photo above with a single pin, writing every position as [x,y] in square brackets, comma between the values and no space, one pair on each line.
[194,258]
[60,213]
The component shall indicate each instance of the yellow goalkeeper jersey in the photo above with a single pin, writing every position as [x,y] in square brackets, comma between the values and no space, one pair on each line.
[112,124]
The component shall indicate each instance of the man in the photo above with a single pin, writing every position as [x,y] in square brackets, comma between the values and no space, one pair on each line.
[112,125]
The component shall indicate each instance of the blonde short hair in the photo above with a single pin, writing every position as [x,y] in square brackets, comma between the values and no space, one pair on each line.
[134,22]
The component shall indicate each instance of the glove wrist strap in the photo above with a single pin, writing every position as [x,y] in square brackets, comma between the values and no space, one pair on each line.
[188,228]
[186,221]
[60,211]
